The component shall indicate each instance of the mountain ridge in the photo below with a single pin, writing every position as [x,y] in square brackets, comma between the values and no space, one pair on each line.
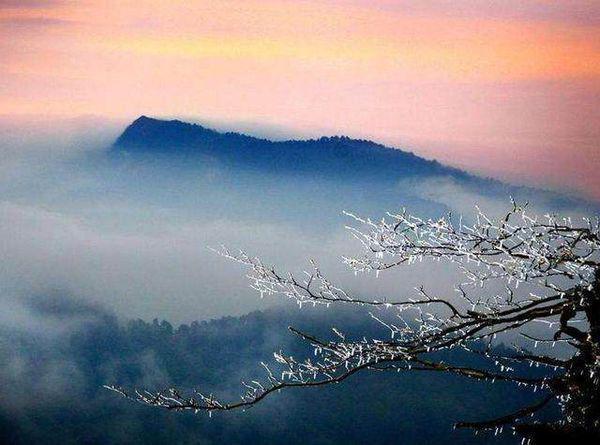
[356,161]
[147,135]
[143,120]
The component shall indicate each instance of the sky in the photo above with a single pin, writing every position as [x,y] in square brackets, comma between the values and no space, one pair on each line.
[504,88]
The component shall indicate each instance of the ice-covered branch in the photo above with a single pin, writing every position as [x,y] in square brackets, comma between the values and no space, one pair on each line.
[553,255]
[517,247]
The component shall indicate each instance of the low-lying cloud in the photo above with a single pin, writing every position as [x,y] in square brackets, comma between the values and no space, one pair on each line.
[65,226]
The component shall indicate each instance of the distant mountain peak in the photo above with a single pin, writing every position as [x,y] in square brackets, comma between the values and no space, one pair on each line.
[138,130]
[332,157]
[142,120]
[325,156]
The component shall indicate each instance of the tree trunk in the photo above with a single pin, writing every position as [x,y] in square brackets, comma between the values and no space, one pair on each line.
[579,387]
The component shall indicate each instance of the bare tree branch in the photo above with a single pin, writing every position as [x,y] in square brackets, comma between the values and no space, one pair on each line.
[549,269]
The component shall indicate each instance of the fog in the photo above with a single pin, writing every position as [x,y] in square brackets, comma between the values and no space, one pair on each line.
[135,236]
[91,241]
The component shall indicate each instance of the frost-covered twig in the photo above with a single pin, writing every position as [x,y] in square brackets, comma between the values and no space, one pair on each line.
[557,261]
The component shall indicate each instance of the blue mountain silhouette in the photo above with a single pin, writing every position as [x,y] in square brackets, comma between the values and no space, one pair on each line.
[339,158]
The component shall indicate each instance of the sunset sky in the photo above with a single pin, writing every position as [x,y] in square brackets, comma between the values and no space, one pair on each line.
[508,88]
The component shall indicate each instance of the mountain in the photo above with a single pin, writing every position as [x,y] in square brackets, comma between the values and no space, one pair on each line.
[338,156]
[340,159]
[54,394]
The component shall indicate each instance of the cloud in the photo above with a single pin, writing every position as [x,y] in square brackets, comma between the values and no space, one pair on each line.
[32,23]
[454,195]
[581,12]
[35,368]
[29,4]
[164,271]
[134,237]
[464,199]
[167,271]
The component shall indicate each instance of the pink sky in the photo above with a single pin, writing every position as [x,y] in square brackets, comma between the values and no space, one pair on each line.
[509,88]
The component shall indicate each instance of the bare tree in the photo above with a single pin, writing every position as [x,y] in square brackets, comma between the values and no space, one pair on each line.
[548,268]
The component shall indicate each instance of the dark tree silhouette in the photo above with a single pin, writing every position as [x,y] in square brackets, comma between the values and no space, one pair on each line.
[547,269]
